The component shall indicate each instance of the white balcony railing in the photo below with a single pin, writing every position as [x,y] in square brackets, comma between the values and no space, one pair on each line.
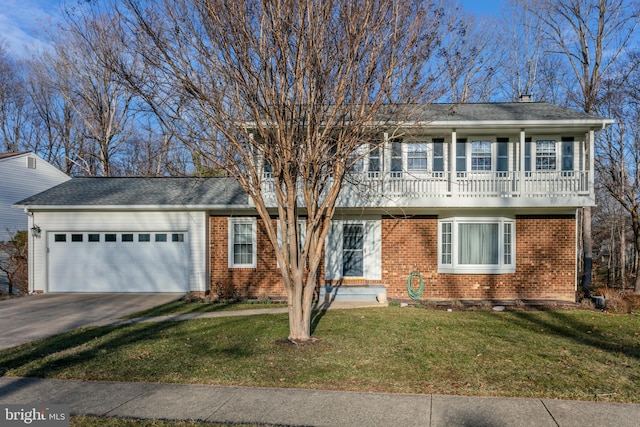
[476,184]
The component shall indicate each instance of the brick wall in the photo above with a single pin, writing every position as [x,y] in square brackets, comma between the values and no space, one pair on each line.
[545,261]
[264,280]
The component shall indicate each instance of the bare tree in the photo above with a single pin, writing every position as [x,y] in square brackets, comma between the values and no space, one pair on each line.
[297,85]
[618,157]
[15,133]
[87,83]
[470,57]
[55,123]
[591,36]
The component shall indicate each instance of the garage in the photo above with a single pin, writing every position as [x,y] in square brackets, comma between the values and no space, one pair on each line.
[142,235]
[118,261]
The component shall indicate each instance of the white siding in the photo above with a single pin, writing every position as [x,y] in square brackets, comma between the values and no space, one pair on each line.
[193,223]
[17,182]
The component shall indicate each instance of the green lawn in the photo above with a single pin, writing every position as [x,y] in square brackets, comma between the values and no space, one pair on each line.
[568,354]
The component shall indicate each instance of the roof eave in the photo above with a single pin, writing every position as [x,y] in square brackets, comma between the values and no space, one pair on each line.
[588,123]
[189,207]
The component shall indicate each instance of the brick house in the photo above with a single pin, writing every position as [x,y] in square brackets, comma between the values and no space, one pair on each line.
[479,200]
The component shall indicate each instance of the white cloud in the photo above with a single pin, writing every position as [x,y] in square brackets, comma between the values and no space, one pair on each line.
[23,24]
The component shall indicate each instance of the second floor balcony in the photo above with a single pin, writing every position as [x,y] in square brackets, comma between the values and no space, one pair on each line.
[466,189]
[466,170]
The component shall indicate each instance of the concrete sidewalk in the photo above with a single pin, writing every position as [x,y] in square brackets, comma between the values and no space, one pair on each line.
[297,407]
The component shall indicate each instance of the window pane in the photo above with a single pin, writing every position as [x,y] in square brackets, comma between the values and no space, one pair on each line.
[76,237]
[438,155]
[144,237]
[243,243]
[177,237]
[507,243]
[242,253]
[60,238]
[128,237]
[567,154]
[503,156]
[94,237]
[109,237]
[417,156]
[461,156]
[481,155]
[396,158]
[478,243]
[545,155]
[161,237]
[374,158]
[446,243]
[352,250]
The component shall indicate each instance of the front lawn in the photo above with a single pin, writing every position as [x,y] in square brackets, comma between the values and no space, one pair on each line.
[567,354]
[183,306]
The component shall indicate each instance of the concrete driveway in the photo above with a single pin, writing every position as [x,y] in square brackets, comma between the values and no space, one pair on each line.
[39,316]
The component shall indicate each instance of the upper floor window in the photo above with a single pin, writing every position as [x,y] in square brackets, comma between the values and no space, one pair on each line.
[549,155]
[481,155]
[366,158]
[417,156]
[545,155]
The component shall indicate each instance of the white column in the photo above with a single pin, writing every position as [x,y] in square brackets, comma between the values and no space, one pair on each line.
[522,160]
[452,162]
[592,167]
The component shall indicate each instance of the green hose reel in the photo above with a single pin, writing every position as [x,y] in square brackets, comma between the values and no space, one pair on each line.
[417,293]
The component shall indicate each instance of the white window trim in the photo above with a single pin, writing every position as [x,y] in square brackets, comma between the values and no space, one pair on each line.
[248,220]
[455,268]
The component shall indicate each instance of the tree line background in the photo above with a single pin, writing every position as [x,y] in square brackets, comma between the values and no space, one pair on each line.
[72,105]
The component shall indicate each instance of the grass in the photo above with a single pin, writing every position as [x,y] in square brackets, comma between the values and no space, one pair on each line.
[203,306]
[565,354]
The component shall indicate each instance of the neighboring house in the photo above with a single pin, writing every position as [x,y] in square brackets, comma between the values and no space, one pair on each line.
[479,199]
[22,175]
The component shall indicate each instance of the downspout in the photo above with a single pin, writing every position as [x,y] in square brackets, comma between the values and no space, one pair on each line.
[577,255]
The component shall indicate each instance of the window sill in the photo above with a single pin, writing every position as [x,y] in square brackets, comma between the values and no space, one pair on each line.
[476,270]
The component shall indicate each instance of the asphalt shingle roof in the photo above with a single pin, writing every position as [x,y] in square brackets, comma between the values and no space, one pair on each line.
[141,192]
[494,111]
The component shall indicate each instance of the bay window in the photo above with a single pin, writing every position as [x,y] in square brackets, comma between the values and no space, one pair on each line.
[476,245]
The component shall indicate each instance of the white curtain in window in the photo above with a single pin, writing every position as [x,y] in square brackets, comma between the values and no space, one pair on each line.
[478,243]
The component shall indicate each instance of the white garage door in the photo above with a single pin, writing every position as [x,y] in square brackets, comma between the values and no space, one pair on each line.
[118,262]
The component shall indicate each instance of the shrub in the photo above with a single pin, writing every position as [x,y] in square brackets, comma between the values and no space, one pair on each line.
[226,290]
[14,262]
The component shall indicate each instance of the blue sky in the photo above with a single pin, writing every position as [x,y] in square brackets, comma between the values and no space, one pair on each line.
[22,20]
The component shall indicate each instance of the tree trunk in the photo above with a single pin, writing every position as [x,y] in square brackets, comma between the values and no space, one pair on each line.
[635,224]
[300,300]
